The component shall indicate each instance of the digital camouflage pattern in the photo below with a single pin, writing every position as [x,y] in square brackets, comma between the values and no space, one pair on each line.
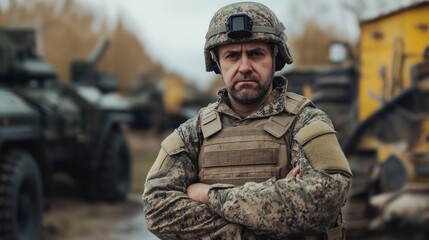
[261,16]
[278,209]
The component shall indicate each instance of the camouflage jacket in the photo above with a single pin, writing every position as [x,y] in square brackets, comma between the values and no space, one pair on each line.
[302,206]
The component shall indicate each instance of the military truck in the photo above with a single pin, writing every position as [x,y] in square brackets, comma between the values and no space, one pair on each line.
[47,126]
[379,104]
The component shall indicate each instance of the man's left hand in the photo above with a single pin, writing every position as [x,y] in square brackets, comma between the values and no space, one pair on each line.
[198,192]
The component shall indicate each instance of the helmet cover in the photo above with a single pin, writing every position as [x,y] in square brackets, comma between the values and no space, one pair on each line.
[244,22]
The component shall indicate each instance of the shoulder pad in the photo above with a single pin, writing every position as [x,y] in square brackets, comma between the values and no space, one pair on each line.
[322,149]
[313,130]
[173,144]
[295,102]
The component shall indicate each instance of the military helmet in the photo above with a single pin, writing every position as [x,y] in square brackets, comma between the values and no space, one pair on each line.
[242,22]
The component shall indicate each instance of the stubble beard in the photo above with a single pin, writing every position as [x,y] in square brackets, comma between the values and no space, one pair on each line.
[250,97]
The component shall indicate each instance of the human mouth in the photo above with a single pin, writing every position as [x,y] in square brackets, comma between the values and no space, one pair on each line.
[245,84]
[246,80]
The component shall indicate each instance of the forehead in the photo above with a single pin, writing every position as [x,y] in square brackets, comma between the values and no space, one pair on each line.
[244,45]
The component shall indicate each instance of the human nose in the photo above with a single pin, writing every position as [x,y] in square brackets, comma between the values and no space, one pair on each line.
[245,65]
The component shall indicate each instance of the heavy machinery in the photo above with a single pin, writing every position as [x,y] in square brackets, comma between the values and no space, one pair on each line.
[164,103]
[47,126]
[84,71]
[380,108]
[147,103]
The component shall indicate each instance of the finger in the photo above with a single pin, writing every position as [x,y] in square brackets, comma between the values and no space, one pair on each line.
[293,172]
[290,175]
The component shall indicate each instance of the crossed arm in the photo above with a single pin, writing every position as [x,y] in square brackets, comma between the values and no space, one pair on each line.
[198,192]
[171,214]
[176,206]
[307,201]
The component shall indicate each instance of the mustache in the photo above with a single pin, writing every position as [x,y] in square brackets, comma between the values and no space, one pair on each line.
[246,78]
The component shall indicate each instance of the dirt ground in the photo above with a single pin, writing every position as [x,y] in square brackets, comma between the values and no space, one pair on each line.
[69,217]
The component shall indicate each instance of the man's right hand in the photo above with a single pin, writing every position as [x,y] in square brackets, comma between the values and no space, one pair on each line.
[295,172]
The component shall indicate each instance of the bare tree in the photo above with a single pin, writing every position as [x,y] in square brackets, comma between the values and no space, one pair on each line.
[370,8]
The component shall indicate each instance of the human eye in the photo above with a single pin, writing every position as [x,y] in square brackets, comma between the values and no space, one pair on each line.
[232,55]
[256,54]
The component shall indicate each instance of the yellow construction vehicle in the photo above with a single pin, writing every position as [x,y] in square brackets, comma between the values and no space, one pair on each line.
[380,108]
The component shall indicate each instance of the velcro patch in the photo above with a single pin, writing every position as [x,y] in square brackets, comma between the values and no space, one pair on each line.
[210,122]
[173,144]
[322,148]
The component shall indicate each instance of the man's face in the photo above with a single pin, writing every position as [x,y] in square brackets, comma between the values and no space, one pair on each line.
[247,70]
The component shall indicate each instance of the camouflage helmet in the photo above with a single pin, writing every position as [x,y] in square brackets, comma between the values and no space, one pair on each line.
[242,22]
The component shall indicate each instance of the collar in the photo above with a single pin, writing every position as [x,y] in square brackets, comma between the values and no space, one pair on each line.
[273,105]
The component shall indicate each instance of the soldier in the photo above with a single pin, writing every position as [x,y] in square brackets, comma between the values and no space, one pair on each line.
[261,162]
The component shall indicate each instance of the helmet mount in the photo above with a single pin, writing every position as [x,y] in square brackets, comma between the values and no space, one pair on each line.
[239,25]
[245,22]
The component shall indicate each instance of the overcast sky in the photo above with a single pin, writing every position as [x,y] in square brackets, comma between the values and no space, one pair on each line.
[173,31]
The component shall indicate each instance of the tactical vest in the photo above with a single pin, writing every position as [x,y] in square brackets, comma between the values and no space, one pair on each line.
[252,152]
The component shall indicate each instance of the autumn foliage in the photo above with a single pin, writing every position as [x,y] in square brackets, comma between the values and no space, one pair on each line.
[312,48]
[70,32]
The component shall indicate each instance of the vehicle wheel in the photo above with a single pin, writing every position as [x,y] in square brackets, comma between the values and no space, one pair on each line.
[115,169]
[21,196]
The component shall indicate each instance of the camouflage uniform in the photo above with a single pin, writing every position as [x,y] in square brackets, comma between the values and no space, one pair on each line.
[276,208]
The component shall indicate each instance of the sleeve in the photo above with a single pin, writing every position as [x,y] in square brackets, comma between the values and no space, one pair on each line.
[169,213]
[280,208]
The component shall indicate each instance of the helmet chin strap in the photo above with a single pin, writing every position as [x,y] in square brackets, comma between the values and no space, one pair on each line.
[215,62]
[275,52]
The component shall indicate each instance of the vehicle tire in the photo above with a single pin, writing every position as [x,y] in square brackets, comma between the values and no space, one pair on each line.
[21,196]
[115,169]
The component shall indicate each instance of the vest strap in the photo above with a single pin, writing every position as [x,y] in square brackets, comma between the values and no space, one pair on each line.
[210,122]
[295,102]
[279,124]
[276,125]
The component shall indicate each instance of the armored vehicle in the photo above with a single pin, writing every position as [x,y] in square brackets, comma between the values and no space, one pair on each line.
[47,126]
[84,71]
[380,108]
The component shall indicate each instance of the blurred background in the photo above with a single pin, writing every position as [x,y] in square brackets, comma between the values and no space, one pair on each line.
[150,55]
